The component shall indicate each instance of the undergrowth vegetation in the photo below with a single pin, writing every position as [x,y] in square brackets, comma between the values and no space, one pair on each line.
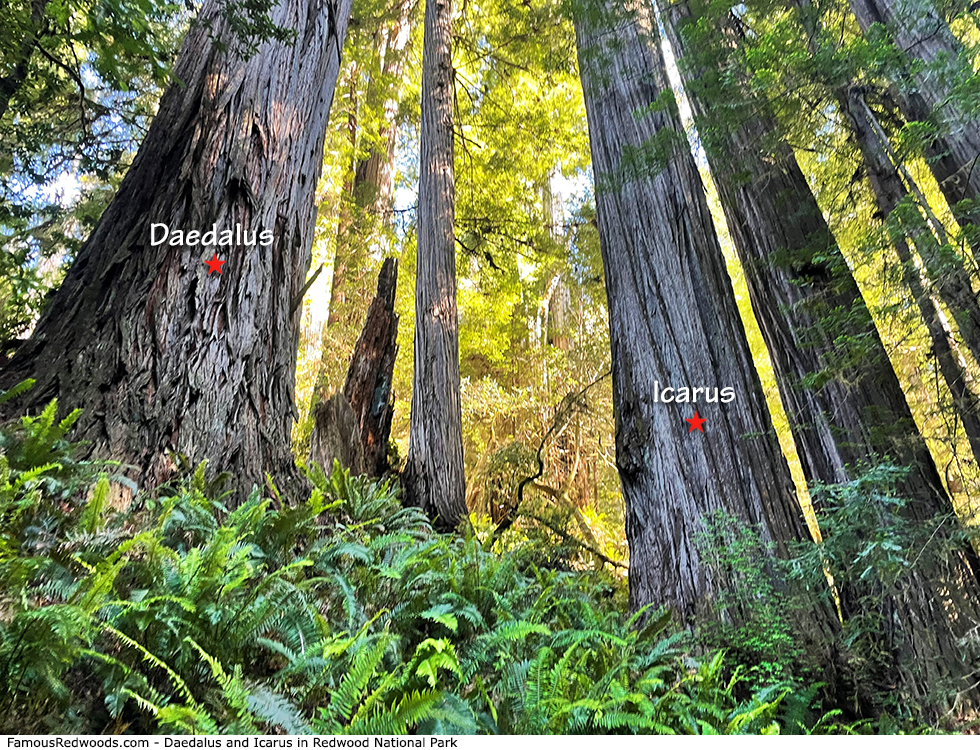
[344,614]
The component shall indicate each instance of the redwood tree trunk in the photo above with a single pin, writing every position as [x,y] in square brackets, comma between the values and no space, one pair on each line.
[927,95]
[163,355]
[889,192]
[842,396]
[846,407]
[939,610]
[673,322]
[372,189]
[434,478]
[926,39]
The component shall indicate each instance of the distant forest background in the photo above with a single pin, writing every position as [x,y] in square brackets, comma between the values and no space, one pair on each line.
[403,470]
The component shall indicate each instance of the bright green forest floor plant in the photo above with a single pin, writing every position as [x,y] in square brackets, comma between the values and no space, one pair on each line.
[344,614]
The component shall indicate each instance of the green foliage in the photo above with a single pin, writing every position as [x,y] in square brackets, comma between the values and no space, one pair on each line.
[753,611]
[346,613]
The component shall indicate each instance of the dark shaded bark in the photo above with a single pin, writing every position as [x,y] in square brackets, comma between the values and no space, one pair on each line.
[163,355]
[354,425]
[20,63]
[336,436]
[932,626]
[843,399]
[369,378]
[434,475]
[674,322]
[845,407]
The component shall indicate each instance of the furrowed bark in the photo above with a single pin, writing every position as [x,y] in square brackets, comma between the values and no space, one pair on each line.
[673,321]
[353,426]
[934,623]
[163,355]
[845,406]
[434,478]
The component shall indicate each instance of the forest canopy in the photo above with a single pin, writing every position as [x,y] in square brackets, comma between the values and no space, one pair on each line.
[513,366]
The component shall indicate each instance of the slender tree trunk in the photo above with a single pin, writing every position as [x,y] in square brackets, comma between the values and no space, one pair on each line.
[889,192]
[927,95]
[348,254]
[434,477]
[371,191]
[20,60]
[673,323]
[939,611]
[164,355]
[929,44]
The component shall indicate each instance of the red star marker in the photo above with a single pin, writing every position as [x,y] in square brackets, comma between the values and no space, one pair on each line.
[696,422]
[214,264]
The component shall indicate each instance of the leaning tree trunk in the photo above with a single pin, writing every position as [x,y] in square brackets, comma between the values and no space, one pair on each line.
[927,93]
[673,322]
[842,396]
[434,478]
[353,426]
[846,408]
[940,612]
[164,355]
[889,191]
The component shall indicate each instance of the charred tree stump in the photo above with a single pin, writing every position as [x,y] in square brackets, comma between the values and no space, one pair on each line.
[353,426]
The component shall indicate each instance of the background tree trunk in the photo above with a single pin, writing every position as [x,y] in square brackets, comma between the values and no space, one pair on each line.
[889,192]
[434,478]
[926,95]
[845,405]
[372,189]
[673,320]
[939,610]
[162,355]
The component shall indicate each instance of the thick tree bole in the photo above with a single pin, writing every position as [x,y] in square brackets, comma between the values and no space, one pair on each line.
[940,608]
[434,478]
[672,319]
[796,275]
[160,354]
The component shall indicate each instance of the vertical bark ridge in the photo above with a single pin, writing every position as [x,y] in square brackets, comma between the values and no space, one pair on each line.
[673,321]
[937,612]
[434,477]
[163,356]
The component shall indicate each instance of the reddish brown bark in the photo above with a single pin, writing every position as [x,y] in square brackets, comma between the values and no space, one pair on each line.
[434,477]
[163,356]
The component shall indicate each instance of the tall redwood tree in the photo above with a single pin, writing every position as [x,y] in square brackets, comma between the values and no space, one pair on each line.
[163,354]
[434,475]
[673,323]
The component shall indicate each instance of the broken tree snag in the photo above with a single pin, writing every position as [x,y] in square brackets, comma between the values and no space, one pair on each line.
[353,426]
[336,435]
[368,384]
